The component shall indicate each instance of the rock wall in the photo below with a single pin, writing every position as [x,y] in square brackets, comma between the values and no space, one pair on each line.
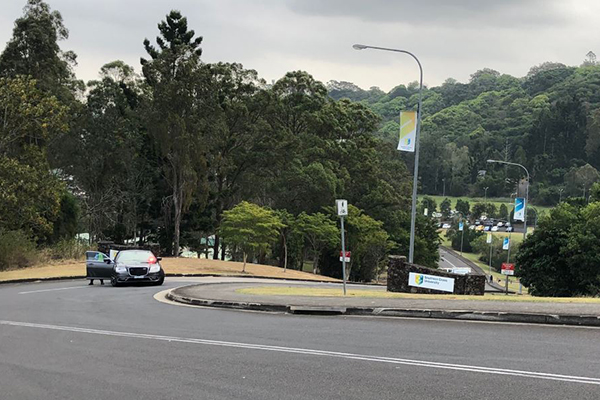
[399,269]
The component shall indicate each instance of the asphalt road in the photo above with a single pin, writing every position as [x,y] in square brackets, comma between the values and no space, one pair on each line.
[65,340]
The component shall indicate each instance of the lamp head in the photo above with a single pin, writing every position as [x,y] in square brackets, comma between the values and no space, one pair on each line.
[491,161]
[359,46]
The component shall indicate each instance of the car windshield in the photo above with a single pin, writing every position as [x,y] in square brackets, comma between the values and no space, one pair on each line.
[137,256]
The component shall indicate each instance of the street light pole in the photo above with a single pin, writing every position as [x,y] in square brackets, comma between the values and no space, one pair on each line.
[444,190]
[486,189]
[413,217]
[526,191]
[560,194]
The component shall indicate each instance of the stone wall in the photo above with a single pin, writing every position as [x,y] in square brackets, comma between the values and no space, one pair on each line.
[399,269]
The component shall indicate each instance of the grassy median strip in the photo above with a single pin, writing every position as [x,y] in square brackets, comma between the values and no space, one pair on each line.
[335,292]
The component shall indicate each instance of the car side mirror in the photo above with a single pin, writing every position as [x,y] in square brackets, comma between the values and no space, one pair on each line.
[108,261]
[158,258]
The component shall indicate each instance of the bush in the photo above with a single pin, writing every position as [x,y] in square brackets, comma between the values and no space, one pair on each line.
[16,250]
[68,249]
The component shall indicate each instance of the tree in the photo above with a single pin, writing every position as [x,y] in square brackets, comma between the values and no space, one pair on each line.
[320,232]
[29,193]
[251,228]
[463,207]
[178,115]
[467,236]
[34,51]
[503,212]
[445,208]
[429,204]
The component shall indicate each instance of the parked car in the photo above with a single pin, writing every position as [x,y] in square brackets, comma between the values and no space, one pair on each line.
[500,224]
[510,229]
[486,228]
[494,229]
[479,228]
[446,226]
[472,227]
[128,266]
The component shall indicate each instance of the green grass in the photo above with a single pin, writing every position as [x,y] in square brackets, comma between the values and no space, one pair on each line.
[367,293]
[508,202]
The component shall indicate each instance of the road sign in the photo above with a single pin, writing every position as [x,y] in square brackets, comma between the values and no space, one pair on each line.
[508,269]
[506,244]
[461,226]
[342,207]
[489,238]
[346,258]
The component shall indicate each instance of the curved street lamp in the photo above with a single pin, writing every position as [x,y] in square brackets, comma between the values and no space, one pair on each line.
[413,217]
[526,191]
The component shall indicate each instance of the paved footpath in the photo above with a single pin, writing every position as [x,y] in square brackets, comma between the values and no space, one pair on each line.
[227,295]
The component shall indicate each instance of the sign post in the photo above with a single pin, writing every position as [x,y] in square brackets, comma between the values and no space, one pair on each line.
[506,246]
[461,228]
[489,240]
[342,211]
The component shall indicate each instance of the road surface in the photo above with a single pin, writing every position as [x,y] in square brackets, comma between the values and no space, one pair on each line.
[66,340]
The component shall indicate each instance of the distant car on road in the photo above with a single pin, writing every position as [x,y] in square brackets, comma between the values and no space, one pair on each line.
[494,229]
[128,266]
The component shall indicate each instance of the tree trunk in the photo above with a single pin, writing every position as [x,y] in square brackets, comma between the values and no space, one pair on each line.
[284,254]
[316,263]
[244,267]
[223,251]
[216,247]
[177,222]
[206,247]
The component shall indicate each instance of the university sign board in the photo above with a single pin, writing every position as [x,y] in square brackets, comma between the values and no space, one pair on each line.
[431,282]
[508,269]
[345,256]
[519,214]
[408,131]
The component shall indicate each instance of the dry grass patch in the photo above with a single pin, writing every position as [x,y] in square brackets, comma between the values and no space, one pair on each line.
[333,292]
[171,266]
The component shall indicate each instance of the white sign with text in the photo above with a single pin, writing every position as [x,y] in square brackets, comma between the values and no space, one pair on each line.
[431,282]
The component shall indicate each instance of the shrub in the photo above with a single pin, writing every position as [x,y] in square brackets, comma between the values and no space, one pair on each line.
[16,250]
[68,249]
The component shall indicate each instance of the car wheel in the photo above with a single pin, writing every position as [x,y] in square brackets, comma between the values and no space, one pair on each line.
[113,281]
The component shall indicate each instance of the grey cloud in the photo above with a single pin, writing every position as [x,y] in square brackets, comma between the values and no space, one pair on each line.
[497,13]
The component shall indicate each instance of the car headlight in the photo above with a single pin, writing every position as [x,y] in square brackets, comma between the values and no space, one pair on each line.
[120,269]
[154,268]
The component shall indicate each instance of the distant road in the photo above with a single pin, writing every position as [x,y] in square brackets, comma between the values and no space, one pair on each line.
[449,260]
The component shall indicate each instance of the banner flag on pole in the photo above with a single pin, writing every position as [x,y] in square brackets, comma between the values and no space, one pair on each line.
[505,243]
[519,209]
[408,131]
[489,238]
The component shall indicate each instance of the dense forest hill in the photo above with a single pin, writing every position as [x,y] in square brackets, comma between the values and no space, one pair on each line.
[548,120]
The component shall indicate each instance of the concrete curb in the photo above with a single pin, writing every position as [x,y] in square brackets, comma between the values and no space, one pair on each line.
[466,315]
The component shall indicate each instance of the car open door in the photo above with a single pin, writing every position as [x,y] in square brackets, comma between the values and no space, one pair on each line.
[96,265]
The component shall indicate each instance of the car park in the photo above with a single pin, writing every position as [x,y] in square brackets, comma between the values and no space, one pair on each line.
[129,266]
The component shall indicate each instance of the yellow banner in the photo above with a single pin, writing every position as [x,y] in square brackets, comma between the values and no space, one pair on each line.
[408,131]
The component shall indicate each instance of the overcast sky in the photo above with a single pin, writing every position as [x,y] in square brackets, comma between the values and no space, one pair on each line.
[452,38]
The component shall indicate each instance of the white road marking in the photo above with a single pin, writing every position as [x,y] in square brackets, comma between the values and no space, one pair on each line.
[322,353]
[51,290]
